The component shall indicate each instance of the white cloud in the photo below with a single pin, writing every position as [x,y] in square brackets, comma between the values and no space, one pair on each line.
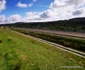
[2,19]
[2,5]
[22,5]
[14,18]
[58,10]
[64,3]
[30,5]
[32,16]
[65,9]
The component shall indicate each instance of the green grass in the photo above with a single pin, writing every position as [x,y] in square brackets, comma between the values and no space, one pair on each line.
[17,52]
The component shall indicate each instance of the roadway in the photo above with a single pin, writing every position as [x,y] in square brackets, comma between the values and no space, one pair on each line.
[59,33]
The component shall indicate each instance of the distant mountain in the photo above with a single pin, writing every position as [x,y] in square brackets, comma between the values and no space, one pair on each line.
[75,24]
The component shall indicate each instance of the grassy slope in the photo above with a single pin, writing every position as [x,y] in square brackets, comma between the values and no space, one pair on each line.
[18,52]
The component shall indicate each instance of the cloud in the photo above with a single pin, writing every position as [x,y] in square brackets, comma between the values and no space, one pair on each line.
[2,5]
[30,5]
[77,12]
[34,0]
[22,5]
[47,14]
[64,9]
[14,18]
[58,10]
[32,16]
[64,3]
[2,19]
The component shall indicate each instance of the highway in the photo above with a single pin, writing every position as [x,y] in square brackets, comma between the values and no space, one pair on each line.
[59,33]
[78,53]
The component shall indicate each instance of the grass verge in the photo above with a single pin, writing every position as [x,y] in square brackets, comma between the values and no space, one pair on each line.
[22,53]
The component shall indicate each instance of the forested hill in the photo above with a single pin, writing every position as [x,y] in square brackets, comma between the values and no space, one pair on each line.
[76,24]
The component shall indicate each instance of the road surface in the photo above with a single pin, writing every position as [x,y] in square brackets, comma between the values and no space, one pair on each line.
[60,33]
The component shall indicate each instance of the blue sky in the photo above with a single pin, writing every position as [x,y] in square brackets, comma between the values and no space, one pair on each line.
[11,7]
[40,10]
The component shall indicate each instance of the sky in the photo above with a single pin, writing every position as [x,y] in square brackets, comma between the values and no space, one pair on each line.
[12,11]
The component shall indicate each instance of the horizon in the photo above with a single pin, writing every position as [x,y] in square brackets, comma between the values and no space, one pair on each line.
[44,21]
[40,11]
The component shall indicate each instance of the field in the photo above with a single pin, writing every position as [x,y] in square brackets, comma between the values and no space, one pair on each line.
[18,52]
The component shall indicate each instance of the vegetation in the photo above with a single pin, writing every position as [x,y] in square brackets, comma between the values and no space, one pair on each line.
[77,44]
[18,52]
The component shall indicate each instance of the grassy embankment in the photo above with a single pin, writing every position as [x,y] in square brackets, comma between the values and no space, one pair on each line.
[17,52]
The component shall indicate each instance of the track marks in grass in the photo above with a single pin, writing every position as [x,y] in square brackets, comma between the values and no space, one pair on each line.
[12,61]
[0,41]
